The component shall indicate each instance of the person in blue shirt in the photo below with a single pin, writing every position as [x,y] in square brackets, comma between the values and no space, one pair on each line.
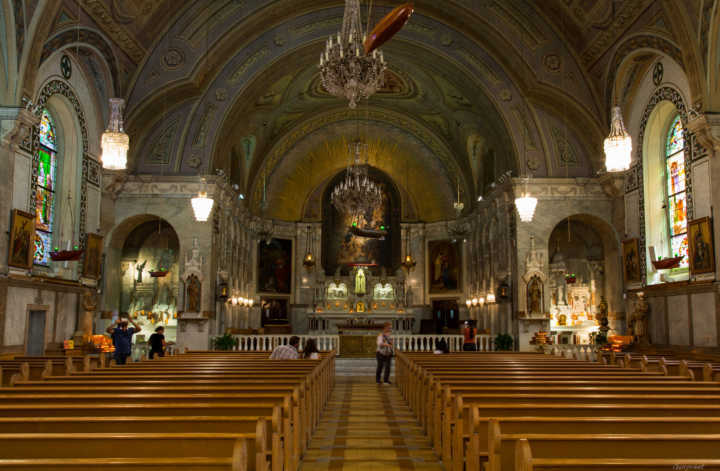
[122,339]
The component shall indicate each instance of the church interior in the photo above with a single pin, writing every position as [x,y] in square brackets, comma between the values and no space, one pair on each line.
[515,195]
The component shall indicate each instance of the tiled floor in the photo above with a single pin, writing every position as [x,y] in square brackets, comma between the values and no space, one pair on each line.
[368,427]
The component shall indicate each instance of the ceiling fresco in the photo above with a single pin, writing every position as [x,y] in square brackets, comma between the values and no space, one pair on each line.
[484,86]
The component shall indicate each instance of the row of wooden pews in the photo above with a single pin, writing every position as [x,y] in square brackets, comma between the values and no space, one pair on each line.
[517,411]
[198,411]
[23,368]
[667,364]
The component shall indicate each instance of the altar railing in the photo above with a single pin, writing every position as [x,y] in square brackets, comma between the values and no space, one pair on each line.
[406,343]
[585,352]
[426,343]
[267,343]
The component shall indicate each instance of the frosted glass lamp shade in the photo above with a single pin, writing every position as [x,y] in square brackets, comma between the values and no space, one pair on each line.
[202,206]
[618,145]
[526,208]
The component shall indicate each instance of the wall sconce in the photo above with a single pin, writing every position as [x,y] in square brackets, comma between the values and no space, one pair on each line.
[223,291]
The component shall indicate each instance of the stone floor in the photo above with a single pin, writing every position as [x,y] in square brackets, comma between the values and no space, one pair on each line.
[367,426]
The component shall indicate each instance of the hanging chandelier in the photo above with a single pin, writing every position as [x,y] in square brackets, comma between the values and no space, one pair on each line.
[357,193]
[409,262]
[202,205]
[346,69]
[114,142]
[618,145]
[526,207]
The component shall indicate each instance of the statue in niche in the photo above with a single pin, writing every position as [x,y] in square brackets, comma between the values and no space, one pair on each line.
[360,282]
[193,294]
[562,319]
[139,269]
[638,322]
[534,293]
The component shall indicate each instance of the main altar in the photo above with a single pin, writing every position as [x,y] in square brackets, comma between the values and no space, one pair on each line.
[356,307]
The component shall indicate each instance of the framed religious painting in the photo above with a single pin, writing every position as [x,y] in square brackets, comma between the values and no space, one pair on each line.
[631,261]
[275,266]
[701,252]
[444,266]
[93,257]
[22,239]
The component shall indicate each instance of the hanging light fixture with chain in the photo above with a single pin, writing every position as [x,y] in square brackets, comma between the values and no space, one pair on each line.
[346,69]
[525,203]
[309,259]
[357,193]
[115,142]
[618,145]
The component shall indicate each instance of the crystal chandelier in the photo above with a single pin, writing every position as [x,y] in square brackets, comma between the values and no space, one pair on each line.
[356,194]
[202,205]
[115,143]
[618,145]
[346,70]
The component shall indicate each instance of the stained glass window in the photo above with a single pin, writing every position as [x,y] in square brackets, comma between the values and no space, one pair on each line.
[45,190]
[676,196]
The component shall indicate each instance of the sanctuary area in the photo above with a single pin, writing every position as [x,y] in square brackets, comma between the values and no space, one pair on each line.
[509,203]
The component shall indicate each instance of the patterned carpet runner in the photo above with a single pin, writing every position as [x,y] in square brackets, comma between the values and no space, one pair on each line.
[367,426]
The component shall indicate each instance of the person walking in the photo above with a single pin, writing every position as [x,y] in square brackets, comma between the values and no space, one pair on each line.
[287,352]
[469,334]
[122,339]
[384,354]
[157,343]
[310,350]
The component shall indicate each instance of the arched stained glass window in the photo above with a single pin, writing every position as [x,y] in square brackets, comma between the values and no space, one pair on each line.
[45,190]
[676,194]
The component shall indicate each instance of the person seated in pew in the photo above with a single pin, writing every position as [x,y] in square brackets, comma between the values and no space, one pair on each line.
[441,347]
[157,343]
[122,339]
[310,350]
[287,352]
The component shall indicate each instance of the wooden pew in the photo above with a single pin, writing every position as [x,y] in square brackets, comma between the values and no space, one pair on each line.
[501,439]
[529,459]
[243,451]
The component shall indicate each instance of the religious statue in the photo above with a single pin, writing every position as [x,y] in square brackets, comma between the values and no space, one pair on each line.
[535,296]
[193,294]
[360,282]
[639,320]
[139,269]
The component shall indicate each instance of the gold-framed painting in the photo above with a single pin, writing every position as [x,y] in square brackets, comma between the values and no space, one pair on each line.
[22,240]
[701,251]
[92,264]
[444,266]
[631,261]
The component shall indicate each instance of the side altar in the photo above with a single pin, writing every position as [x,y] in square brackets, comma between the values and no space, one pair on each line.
[359,304]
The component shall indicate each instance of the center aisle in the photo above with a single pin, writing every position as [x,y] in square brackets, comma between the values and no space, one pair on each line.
[367,426]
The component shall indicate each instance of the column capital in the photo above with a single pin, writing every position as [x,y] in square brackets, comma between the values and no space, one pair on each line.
[24,120]
[706,127]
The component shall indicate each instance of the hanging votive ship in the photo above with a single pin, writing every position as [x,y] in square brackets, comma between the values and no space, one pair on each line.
[67,255]
[159,273]
[666,263]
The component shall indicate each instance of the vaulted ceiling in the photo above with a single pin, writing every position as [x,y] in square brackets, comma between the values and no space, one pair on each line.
[476,88]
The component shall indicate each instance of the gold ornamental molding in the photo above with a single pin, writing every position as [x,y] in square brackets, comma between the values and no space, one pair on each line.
[127,42]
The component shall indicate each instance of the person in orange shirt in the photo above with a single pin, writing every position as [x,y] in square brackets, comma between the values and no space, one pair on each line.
[469,335]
